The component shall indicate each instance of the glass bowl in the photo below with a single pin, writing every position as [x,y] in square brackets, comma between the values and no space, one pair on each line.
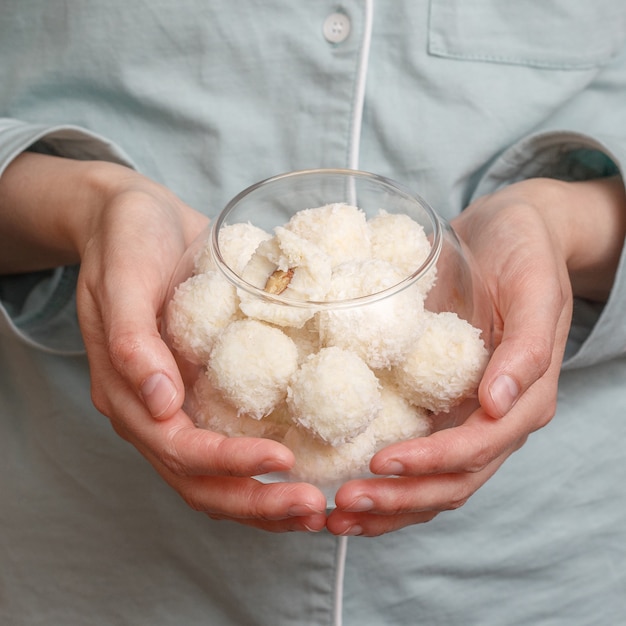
[331,310]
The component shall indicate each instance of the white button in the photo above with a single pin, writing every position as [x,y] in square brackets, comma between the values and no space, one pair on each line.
[336,27]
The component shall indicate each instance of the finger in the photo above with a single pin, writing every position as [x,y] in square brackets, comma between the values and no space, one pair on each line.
[311,524]
[125,338]
[413,494]
[531,316]
[372,525]
[139,354]
[184,450]
[228,497]
[279,507]
[377,506]
[470,447]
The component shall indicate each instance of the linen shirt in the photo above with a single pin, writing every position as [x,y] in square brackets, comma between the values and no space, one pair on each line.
[452,98]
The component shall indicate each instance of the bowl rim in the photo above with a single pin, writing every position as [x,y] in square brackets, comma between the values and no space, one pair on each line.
[240,283]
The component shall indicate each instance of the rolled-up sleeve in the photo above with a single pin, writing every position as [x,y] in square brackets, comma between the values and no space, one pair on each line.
[598,332]
[40,307]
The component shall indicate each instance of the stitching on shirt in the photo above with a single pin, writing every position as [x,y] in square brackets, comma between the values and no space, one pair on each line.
[515,60]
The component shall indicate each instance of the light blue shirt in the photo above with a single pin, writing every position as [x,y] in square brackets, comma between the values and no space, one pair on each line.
[452,98]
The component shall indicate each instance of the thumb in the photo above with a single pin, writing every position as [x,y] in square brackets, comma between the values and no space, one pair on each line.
[141,357]
[125,348]
[530,338]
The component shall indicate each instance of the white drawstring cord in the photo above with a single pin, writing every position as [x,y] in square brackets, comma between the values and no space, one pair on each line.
[340,572]
[353,163]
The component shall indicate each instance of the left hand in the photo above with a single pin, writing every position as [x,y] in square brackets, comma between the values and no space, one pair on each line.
[526,240]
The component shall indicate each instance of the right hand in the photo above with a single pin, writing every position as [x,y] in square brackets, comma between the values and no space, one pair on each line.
[128,234]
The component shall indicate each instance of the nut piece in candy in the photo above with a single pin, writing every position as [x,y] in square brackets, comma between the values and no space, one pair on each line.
[278,281]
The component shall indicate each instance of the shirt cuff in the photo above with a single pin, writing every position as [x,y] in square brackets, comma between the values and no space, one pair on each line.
[598,332]
[40,307]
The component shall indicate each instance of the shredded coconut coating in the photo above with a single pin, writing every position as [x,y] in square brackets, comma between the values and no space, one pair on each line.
[339,229]
[398,420]
[307,338]
[208,409]
[251,364]
[323,464]
[382,332]
[237,244]
[334,395]
[201,307]
[310,281]
[401,241]
[333,384]
[445,365]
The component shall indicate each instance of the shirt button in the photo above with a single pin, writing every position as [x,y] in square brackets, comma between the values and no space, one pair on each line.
[336,27]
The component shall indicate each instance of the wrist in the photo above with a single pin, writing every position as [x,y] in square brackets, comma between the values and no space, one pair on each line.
[589,220]
[586,222]
[96,185]
[48,205]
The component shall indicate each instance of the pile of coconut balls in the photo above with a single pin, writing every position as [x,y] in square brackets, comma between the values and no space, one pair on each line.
[334,384]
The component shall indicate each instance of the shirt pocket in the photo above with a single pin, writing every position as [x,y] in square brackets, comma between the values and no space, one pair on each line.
[551,34]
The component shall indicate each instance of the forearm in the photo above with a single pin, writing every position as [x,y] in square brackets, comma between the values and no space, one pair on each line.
[594,217]
[586,222]
[46,205]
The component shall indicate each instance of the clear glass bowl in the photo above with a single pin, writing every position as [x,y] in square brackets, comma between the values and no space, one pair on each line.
[333,311]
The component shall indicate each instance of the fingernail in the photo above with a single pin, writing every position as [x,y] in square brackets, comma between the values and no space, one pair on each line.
[353,531]
[270,465]
[360,505]
[158,393]
[310,529]
[504,392]
[392,468]
[301,510]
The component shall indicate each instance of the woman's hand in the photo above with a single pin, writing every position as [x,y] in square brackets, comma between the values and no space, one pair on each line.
[530,241]
[128,234]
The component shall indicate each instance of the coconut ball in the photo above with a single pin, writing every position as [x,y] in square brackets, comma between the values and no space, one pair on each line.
[251,364]
[323,464]
[400,240]
[237,244]
[380,332]
[445,365]
[339,229]
[209,410]
[200,308]
[334,395]
[398,420]
[307,338]
[286,265]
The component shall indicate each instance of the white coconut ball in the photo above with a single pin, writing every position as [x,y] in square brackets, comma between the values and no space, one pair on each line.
[381,332]
[398,239]
[209,410]
[251,364]
[398,420]
[334,395]
[308,280]
[307,338]
[323,464]
[200,308]
[339,229]
[445,365]
[237,244]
